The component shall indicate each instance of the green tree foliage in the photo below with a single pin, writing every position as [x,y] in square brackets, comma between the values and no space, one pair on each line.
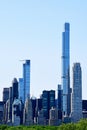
[81,125]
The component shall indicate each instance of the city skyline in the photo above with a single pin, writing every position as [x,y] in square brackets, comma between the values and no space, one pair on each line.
[32,30]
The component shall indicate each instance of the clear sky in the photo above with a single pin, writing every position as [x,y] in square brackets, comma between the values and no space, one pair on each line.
[32,29]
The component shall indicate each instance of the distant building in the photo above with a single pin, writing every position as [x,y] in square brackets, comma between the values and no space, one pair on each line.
[5,94]
[10,104]
[33,101]
[14,89]
[84,108]
[60,102]
[1,112]
[21,89]
[17,112]
[26,79]
[40,118]
[66,70]
[84,105]
[28,112]
[53,117]
[77,93]
[48,101]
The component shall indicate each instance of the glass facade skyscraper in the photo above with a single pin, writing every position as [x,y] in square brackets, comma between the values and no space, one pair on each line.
[66,69]
[14,89]
[48,101]
[77,93]
[26,79]
[24,83]
[21,89]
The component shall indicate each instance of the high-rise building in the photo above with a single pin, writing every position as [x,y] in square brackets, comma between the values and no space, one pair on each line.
[60,101]
[14,89]
[28,119]
[48,101]
[21,89]
[84,108]
[53,117]
[17,112]
[66,70]
[5,94]
[26,79]
[1,112]
[77,93]
[10,104]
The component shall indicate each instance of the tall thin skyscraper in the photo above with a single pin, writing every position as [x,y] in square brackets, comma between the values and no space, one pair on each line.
[21,89]
[66,69]
[26,79]
[77,93]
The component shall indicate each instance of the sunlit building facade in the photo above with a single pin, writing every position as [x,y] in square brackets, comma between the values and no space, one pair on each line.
[77,93]
[26,79]
[66,69]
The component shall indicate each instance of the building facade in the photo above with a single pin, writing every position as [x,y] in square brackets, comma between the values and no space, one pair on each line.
[28,118]
[48,101]
[5,94]
[26,79]
[53,117]
[66,69]
[77,93]
[21,89]
[60,102]
[14,89]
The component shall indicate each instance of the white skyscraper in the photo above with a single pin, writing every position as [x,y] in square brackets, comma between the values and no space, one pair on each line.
[76,108]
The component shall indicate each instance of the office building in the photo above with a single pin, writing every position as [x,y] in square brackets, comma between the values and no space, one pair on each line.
[1,112]
[28,119]
[26,79]
[14,89]
[40,118]
[60,102]
[17,112]
[53,117]
[10,104]
[77,93]
[5,94]
[21,89]
[66,70]
[84,105]
[48,101]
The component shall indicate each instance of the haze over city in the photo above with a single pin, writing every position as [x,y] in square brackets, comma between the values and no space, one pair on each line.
[33,30]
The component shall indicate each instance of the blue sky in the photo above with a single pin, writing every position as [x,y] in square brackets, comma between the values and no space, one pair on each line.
[32,29]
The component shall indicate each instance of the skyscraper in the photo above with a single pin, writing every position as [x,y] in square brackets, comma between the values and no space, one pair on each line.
[14,89]
[59,105]
[26,79]
[21,89]
[77,93]
[66,69]
[5,94]
[48,101]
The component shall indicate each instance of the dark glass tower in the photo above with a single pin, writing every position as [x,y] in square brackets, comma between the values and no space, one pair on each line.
[15,89]
[5,94]
[59,102]
[48,101]
[66,70]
